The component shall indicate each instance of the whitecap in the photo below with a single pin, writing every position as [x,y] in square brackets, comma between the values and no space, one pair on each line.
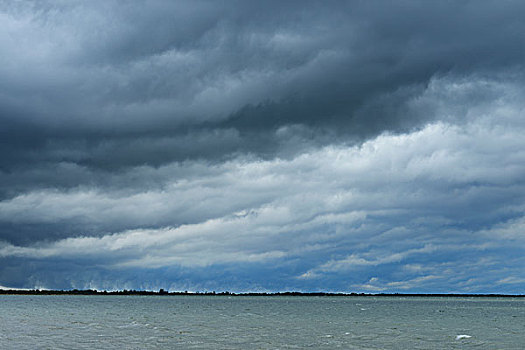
[463,336]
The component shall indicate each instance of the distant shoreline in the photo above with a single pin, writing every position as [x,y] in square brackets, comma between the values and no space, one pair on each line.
[292,294]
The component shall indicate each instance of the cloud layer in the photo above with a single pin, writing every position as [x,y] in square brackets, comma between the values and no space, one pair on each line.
[195,146]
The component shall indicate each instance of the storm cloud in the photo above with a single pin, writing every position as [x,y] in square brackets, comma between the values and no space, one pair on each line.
[343,146]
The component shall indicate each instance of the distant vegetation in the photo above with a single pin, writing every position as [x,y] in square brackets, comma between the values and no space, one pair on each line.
[163,292]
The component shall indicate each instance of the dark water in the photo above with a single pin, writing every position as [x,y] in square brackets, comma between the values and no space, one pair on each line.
[221,322]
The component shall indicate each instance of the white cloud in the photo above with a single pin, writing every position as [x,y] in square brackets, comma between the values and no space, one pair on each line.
[376,258]
[395,199]
[511,280]
[239,210]
[377,285]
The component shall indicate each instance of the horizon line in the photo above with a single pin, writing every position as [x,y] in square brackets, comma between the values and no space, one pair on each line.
[227,293]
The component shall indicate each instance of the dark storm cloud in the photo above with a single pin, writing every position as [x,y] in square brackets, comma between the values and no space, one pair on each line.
[100,83]
[343,145]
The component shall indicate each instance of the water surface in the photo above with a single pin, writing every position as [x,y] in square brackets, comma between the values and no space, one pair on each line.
[272,322]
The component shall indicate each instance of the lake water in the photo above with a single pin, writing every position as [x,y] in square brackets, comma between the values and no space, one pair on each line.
[222,322]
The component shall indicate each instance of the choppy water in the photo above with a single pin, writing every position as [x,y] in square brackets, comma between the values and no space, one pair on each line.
[221,322]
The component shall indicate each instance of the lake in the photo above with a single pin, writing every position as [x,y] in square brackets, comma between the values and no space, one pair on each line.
[260,322]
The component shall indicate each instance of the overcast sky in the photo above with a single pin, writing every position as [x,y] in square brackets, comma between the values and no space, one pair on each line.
[353,146]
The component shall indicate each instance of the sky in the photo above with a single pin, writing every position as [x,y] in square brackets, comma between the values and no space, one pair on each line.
[339,146]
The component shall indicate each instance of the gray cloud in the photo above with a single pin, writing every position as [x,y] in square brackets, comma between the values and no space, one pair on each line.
[413,206]
[81,81]
[301,140]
